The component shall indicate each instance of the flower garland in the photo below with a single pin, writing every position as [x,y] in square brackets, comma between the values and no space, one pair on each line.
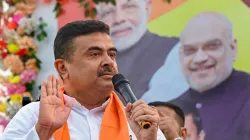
[18,48]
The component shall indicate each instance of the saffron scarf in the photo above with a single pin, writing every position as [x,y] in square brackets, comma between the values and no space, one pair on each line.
[114,124]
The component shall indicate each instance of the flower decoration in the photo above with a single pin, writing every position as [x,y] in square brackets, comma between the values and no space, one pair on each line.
[14,63]
[89,6]
[28,76]
[27,43]
[18,48]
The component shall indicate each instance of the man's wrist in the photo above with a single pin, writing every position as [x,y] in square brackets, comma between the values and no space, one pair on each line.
[43,132]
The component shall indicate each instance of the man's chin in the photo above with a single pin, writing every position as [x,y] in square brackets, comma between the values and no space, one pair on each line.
[106,83]
[202,84]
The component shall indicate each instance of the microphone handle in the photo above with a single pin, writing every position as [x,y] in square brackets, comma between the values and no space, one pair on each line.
[127,94]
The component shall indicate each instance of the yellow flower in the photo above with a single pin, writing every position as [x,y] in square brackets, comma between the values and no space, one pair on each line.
[13,48]
[14,79]
[16,98]
[2,107]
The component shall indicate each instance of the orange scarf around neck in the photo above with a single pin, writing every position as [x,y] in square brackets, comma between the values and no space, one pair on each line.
[114,124]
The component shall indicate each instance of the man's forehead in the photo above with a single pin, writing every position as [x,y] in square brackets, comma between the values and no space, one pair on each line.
[101,40]
[201,34]
[205,27]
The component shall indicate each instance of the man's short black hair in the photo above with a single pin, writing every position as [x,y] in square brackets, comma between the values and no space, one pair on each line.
[64,41]
[179,112]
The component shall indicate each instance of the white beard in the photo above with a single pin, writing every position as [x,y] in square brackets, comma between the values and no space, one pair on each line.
[126,42]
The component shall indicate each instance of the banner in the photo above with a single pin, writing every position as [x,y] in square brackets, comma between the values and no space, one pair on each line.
[155,60]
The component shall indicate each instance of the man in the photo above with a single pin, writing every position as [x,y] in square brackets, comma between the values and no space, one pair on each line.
[193,125]
[172,120]
[140,52]
[193,122]
[221,93]
[85,59]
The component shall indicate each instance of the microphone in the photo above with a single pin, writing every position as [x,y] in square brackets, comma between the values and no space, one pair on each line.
[121,85]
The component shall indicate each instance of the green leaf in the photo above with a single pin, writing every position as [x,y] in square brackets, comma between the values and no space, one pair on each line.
[32,52]
[87,13]
[168,1]
[58,12]
[85,5]
[44,33]
[40,37]
[29,86]
[58,5]
[93,13]
[42,25]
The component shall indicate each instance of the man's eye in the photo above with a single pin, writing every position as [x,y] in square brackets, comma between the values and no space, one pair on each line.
[112,55]
[95,54]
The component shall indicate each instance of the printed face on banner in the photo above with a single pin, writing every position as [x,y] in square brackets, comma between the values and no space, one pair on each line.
[127,20]
[207,53]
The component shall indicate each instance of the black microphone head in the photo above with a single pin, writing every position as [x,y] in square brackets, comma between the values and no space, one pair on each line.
[119,79]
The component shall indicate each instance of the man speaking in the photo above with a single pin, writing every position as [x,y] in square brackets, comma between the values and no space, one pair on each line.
[85,59]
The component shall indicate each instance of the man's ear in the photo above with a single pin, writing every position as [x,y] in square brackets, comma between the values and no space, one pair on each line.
[183,133]
[234,48]
[61,67]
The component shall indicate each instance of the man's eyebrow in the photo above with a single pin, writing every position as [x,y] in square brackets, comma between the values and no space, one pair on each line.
[112,49]
[212,41]
[95,48]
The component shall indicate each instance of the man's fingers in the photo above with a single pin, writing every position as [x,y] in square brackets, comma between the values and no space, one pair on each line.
[59,92]
[143,111]
[128,110]
[49,86]
[60,81]
[43,89]
[137,108]
[149,118]
[128,107]
[54,85]
[138,102]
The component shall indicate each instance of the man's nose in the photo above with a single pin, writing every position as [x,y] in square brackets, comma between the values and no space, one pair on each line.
[119,16]
[200,57]
[107,61]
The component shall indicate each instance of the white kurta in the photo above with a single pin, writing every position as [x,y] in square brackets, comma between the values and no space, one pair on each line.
[82,123]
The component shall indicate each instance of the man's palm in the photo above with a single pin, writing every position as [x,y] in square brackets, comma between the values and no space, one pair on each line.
[53,114]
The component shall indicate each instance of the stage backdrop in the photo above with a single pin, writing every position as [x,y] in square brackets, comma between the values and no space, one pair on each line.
[149,40]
